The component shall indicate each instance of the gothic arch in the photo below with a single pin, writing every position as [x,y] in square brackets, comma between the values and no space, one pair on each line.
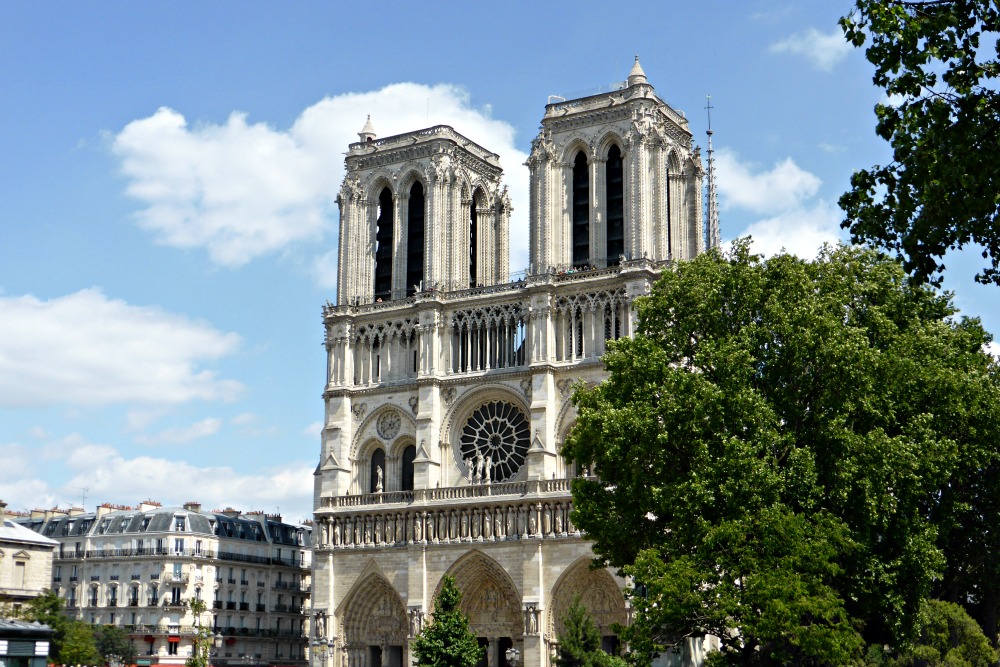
[598,592]
[489,596]
[609,139]
[375,182]
[574,145]
[455,421]
[408,177]
[367,430]
[373,614]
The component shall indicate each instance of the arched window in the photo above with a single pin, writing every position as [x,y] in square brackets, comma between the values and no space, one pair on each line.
[615,200]
[383,246]
[581,211]
[377,471]
[406,478]
[473,224]
[415,239]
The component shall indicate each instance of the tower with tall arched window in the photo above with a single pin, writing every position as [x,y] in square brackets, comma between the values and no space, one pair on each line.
[449,381]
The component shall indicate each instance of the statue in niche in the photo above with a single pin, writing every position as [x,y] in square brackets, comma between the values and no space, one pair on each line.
[320,626]
[487,524]
[531,620]
[430,528]
[378,479]
[336,534]
[559,520]
[469,470]
[368,530]
[532,523]
[417,528]
[378,528]
[475,524]
[488,470]
[465,525]
[399,527]
[498,524]
[349,532]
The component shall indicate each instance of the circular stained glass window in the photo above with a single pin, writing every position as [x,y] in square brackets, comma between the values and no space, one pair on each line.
[497,432]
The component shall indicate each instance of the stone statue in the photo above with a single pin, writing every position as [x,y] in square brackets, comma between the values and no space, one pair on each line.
[478,474]
[320,626]
[488,470]
[378,479]
[417,532]
[532,523]
[468,469]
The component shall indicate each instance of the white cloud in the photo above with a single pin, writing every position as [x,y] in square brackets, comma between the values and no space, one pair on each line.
[244,419]
[242,190]
[799,231]
[313,430]
[173,436]
[993,348]
[123,480]
[744,185]
[87,349]
[822,50]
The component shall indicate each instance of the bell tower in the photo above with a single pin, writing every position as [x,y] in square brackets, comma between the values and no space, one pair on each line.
[614,176]
[421,211]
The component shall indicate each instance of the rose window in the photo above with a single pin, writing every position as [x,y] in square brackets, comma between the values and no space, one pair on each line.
[496,432]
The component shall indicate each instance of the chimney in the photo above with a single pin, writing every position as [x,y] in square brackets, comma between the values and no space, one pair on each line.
[192,506]
[148,505]
[3,508]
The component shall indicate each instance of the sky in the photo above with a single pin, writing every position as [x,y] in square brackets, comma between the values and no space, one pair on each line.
[168,174]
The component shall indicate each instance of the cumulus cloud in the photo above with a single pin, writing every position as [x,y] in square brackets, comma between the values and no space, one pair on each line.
[175,436]
[799,231]
[124,480]
[87,349]
[241,190]
[823,50]
[745,185]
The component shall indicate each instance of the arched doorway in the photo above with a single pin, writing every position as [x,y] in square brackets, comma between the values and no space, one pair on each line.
[374,625]
[493,605]
[598,592]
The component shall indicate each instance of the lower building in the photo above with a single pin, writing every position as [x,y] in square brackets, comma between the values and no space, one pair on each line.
[24,644]
[25,561]
[140,567]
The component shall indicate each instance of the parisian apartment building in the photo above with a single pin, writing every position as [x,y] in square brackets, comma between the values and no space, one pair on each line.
[139,567]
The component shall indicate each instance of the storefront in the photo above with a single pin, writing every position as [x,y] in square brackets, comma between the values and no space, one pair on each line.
[24,644]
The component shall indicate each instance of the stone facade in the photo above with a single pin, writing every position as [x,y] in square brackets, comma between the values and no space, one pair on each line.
[25,561]
[138,568]
[447,399]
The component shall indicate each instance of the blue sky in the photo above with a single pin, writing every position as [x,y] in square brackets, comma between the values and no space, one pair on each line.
[168,173]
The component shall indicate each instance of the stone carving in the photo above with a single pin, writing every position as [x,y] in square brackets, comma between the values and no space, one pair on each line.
[378,479]
[531,620]
[448,395]
[416,622]
[414,404]
[564,387]
[320,625]
[360,410]
[388,424]
[526,388]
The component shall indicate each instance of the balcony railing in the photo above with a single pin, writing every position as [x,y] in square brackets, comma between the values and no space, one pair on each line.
[244,606]
[217,604]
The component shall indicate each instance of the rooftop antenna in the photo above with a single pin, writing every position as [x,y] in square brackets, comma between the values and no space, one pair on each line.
[712,239]
[83,493]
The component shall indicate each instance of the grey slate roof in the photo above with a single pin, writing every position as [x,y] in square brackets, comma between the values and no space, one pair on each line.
[15,532]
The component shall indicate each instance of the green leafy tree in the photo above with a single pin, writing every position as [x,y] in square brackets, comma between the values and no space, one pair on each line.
[580,641]
[201,654]
[447,641]
[113,643]
[937,62]
[784,452]
[79,647]
[47,609]
[948,637]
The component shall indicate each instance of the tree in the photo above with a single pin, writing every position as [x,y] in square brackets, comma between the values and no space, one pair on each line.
[783,453]
[447,641]
[948,637]
[113,643]
[201,653]
[47,609]
[942,189]
[79,647]
[580,641]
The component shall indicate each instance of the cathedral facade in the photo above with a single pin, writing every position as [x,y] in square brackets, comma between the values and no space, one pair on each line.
[449,384]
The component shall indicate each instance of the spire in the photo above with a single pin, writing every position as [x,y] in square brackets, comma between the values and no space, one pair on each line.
[367,133]
[712,234]
[636,75]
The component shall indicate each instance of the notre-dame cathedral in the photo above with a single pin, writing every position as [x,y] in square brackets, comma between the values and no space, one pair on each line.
[449,381]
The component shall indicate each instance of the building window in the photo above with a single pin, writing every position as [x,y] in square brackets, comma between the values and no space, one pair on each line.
[615,202]
[473,241]
[376,472]
[406,480]
[415,239]
[179,545]
[581,211]
[172,647]
[383,246]
[179,524]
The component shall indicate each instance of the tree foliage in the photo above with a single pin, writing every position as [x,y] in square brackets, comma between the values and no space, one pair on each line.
[788,449]
[937,62]
[948,637]
[112,642]
[47,609]
[79,646]
[580,641]
[447,641]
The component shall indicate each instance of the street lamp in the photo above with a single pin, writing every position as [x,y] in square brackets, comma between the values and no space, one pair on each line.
[320,650]
[512,655]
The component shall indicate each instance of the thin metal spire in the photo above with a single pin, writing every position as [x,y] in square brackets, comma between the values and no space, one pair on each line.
[712,234]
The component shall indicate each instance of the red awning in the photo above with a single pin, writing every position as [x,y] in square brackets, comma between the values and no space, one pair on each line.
[173,639]
[149,638]
[230,640]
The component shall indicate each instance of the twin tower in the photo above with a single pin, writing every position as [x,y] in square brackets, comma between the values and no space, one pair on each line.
[613,176]
[449,384]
